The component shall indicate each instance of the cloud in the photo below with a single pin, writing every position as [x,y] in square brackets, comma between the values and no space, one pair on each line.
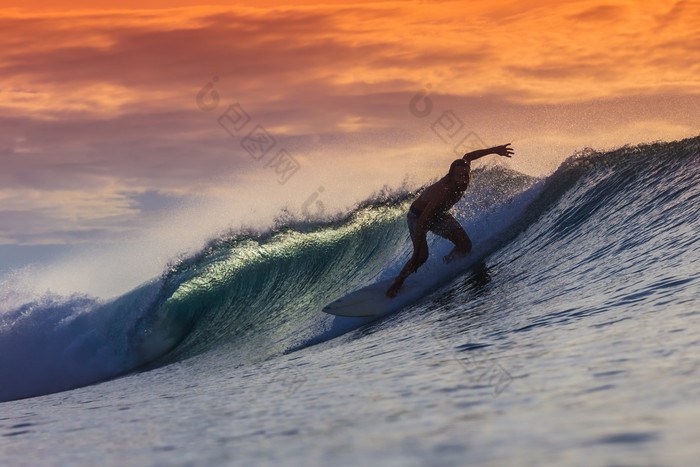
[33,216]
[99,123]
[601,13]
[107,63]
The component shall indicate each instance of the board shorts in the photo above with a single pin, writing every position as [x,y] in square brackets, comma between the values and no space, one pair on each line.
[442,224]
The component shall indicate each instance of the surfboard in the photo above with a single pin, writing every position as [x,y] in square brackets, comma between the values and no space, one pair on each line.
[372,300]
[368,301]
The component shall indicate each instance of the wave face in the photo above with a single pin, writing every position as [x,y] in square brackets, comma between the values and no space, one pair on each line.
[259,296]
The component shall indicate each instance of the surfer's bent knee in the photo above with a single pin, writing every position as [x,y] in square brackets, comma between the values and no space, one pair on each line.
[461,240]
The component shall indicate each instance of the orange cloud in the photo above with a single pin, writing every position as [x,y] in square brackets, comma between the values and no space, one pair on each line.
[88,91]
[547,52]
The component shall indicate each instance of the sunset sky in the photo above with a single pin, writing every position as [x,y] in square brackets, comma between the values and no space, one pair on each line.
[103,134]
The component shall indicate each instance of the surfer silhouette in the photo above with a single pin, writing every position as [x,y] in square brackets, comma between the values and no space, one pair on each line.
[430,212]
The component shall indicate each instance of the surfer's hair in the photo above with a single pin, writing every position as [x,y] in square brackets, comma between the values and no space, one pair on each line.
[455,164]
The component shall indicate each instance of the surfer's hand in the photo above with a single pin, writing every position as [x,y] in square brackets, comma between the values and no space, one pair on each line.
[504,150]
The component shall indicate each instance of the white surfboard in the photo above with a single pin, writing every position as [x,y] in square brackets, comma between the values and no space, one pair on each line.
[372,300]
[368,301]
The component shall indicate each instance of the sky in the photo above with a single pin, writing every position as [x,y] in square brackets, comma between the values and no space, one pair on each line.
[156,116]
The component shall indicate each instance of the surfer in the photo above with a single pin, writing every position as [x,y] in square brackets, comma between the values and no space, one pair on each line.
[430,212]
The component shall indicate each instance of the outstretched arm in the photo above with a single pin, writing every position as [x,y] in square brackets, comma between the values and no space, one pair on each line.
[503,150]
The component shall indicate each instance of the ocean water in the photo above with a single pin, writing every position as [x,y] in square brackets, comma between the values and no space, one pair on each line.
[571,339]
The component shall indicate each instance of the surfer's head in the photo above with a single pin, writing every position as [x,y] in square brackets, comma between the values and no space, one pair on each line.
[459,171]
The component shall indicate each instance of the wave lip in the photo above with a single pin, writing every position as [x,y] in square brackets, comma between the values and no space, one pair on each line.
[56,343]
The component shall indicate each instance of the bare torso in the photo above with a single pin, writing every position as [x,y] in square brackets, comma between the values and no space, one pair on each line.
[440,193]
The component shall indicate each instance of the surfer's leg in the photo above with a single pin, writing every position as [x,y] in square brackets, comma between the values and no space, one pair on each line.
[419,257]
[463,245]
[413,263]
[409,268]
[447,227]
[398,282]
